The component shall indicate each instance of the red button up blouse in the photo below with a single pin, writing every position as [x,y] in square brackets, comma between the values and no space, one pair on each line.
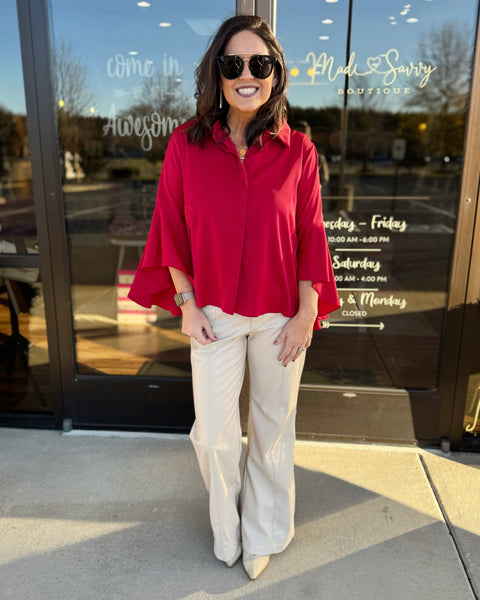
[244,233]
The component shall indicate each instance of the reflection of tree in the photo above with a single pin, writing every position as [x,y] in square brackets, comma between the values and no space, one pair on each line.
[159,100]
[15,172]
[73,98]
[370,127]
[448,48]
[411,127]
[163,94]
[7,134]
[324,123]
[370,134]
[70,80]
[13,143]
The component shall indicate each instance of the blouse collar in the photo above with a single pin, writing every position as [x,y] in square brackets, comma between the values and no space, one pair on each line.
[283,136]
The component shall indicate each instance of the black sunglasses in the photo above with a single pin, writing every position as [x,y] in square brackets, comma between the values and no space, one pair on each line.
[260,65]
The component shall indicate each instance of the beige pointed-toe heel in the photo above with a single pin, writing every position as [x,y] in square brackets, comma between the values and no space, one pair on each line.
[235,557]
[254,564]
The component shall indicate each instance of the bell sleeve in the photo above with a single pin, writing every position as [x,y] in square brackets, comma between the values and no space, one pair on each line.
[313,256]
[168,242]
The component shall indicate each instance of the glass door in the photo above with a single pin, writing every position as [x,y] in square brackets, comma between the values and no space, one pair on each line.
[25,386]
[123,77]
[382,90]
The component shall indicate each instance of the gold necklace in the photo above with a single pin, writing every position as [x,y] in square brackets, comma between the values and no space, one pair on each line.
[242,150]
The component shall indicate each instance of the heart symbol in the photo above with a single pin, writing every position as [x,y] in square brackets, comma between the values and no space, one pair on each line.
[373,62]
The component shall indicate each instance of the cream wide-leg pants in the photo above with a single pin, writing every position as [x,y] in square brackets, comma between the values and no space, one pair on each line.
[258,511]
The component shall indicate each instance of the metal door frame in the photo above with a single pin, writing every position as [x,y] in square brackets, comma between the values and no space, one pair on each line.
[465,276]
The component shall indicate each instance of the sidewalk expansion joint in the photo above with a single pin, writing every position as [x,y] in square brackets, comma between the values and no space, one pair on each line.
[451,530]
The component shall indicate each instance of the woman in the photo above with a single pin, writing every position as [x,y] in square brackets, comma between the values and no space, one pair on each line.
[237,247]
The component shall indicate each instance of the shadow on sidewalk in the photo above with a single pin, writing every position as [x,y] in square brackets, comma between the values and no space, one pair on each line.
[127,519]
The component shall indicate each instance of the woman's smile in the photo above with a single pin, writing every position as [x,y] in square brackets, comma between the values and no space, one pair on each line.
[246,91]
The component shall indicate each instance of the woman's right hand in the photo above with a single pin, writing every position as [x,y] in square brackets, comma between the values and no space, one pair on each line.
[196,324]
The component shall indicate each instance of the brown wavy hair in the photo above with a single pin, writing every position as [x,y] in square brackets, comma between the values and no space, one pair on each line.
[207,75]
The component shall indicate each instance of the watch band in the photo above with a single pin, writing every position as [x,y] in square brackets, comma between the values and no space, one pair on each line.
[182,297]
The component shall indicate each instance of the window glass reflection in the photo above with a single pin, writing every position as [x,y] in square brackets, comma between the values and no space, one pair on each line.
[383,91]
[17,216]
[120,92]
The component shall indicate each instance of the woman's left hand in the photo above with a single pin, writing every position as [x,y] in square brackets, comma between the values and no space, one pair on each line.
[296,337]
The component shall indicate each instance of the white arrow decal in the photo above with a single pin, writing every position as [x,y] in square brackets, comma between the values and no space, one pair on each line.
[327,324]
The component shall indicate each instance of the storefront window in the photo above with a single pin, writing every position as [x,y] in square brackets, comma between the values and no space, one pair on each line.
[123,76]
[17,217]
[24,372]
[382,90]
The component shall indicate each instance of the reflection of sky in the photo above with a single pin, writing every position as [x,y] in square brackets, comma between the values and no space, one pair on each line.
[12,94]
[377,26]
[99,30]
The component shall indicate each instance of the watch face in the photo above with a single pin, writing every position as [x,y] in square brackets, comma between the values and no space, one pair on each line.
[182,297]
[178,299]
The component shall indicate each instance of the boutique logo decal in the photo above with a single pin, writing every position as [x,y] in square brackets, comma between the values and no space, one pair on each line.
[387,65]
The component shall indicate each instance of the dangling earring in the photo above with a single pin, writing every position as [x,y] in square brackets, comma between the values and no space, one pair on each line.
[220,104]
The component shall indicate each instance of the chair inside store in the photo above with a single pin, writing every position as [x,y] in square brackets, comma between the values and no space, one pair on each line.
[20,383]
[15,345]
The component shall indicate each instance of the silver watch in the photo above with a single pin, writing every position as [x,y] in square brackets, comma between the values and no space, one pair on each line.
[182,297]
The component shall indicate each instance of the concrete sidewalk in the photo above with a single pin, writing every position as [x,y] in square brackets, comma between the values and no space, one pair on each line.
[117,517]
